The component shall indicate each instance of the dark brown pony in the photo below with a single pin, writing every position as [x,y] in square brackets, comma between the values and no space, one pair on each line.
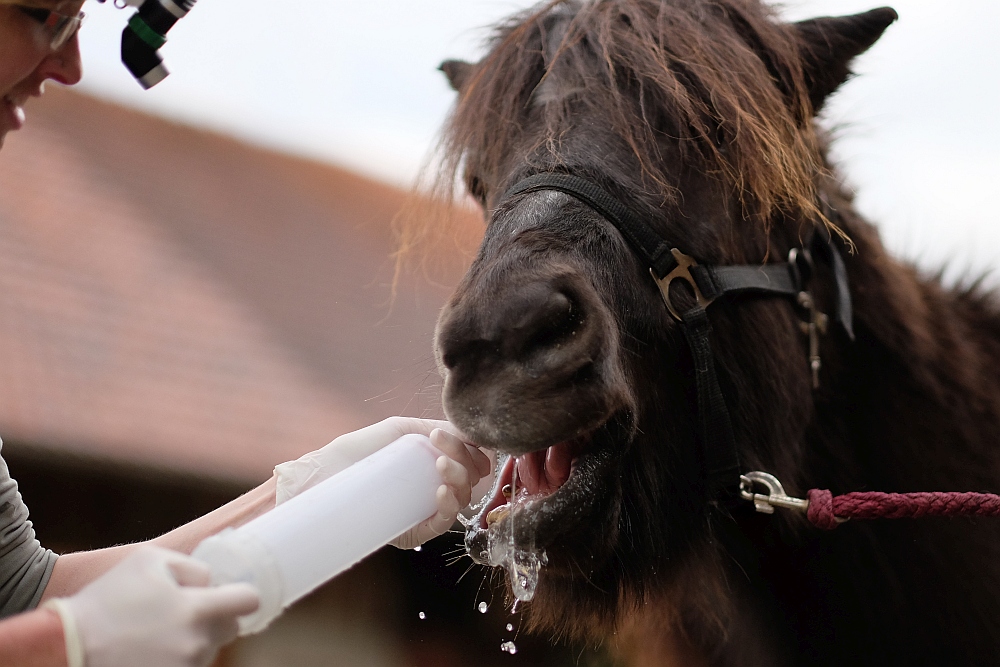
[557,348]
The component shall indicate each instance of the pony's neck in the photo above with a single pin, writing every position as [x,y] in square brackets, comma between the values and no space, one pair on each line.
[917,397]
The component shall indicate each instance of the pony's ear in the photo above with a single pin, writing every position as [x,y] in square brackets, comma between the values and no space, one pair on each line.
[830,43]
[457,71]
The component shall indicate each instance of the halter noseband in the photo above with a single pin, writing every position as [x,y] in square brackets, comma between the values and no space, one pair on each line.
[667,264]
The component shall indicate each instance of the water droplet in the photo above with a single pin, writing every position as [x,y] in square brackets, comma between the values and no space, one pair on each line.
[508,647]
[417,548]
[483,607]
[422,615]
[510,627]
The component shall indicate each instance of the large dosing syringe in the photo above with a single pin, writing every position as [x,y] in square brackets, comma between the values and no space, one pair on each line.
[316,535]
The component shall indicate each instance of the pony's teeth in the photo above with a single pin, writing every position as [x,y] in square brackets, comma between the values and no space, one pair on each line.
[497,514]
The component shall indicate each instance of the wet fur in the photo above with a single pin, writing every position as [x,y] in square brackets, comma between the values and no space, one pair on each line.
[728,165]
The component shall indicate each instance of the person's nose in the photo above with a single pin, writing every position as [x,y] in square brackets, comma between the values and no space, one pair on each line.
[64,65]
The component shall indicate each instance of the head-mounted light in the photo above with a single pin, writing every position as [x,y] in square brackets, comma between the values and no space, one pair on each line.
[146,33]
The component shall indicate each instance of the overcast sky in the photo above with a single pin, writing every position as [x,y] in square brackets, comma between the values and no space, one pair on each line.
[354,83]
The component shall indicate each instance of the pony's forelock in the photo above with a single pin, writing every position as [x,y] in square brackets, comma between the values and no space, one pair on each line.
[733,90]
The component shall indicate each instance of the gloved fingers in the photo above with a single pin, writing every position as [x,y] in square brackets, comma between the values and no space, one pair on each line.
[400,426]
[456,449]
[356,445]
[363,442]
[221,632]
[485,483]
[293,477]
[484,465]
[438,524]
[448,507]
[201,648]
[188,571]
[226,601]
[456,479]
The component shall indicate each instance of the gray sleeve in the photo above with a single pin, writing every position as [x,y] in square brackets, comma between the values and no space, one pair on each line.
[25,567]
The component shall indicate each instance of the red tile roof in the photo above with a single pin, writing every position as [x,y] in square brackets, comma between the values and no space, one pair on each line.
[177,299]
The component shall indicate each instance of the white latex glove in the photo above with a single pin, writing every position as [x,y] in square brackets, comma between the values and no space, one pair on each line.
[461,468]
[154,609]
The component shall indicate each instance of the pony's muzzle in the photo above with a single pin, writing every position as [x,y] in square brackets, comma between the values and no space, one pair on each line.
[523,362]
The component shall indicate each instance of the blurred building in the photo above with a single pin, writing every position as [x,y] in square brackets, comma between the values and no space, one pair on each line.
[178,313]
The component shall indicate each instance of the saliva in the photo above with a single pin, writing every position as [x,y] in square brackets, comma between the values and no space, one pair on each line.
[522,562]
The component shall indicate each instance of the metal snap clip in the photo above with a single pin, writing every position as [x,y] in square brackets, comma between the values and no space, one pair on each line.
[775,497]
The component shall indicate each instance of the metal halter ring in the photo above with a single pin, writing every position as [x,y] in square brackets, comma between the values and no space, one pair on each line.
[681,272]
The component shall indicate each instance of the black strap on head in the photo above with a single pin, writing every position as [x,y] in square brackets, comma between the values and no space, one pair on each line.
[666,264]
[644,241]
[720,461]
[823,247]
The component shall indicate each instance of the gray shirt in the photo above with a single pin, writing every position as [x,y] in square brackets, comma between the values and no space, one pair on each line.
[25,567]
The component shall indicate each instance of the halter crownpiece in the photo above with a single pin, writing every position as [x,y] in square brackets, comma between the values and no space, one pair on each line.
[709,283]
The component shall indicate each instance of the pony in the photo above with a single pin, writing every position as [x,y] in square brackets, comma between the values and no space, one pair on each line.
[698,117]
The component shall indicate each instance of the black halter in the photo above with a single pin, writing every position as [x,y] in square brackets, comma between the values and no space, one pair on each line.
[666,264]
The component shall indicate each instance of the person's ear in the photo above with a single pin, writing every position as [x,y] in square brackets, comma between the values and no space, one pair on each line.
[458,72]
[830,43]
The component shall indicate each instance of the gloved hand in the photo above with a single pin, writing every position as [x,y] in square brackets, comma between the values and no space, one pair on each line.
[461,467]
[154,609]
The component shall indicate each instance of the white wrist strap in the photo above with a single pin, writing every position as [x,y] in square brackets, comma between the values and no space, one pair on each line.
[74,647]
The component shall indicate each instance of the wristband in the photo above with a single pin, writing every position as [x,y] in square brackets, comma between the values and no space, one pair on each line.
[74,647]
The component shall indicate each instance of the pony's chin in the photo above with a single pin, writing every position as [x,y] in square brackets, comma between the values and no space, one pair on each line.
[550,494]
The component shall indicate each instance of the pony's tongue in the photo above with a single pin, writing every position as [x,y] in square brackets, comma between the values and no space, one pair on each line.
[545,471]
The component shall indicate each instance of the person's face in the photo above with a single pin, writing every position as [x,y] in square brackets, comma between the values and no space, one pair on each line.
[27,59]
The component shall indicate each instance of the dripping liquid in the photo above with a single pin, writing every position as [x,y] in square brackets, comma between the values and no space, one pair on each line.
[522,562]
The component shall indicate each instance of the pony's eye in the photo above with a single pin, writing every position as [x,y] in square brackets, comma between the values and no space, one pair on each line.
[721,140]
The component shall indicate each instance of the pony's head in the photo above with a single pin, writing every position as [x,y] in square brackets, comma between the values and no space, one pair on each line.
[556,347]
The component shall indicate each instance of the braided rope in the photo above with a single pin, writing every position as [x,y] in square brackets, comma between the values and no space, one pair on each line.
[827,511]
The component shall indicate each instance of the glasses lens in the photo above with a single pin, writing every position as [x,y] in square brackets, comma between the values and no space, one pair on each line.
[64,28]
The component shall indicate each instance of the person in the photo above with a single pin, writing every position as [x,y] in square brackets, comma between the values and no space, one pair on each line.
[150,603]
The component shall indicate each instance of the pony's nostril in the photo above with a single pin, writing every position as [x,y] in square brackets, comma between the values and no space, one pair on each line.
[468,352]
[539,327]
[450,359]
[555,321]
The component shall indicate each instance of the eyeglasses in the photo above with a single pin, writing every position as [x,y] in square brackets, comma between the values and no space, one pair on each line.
[60,28]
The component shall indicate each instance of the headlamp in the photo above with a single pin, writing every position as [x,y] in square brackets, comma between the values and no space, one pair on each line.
[146,33]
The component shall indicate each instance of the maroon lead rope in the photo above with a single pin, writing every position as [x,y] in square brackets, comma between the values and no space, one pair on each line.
[827,511]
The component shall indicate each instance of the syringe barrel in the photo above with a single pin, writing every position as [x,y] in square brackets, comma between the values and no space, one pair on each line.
[306,541]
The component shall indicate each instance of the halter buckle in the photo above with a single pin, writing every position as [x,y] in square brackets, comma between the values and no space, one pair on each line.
[681,272]
[776,496]
[817,323]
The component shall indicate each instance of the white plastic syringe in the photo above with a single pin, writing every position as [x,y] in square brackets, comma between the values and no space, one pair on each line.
[316,535]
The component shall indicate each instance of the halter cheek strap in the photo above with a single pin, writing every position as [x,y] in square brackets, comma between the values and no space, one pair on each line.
[667,265]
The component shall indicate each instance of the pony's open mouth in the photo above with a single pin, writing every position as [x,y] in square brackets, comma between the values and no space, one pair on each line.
[531,477]
[545,491]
